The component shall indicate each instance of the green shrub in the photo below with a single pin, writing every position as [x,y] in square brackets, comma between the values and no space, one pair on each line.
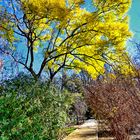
[33,112]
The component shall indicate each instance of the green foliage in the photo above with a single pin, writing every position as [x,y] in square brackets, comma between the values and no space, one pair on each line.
[32,110]
[69,130]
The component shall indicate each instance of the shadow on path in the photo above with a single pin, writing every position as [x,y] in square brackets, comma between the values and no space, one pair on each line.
[87,131]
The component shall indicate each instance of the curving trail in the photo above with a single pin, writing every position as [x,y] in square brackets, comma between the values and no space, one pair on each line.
[87,131]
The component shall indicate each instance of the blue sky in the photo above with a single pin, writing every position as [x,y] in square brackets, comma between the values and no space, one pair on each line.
[134,14]
[134,24]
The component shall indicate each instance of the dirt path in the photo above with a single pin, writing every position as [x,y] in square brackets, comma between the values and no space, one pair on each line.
[87,131]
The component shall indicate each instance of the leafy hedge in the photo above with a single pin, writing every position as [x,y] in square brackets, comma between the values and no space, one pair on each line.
[30,110]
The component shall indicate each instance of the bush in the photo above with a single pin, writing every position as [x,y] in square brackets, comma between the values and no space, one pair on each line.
[118,102]
[31,110]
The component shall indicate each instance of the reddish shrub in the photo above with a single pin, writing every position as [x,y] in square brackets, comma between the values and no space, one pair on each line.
[116,101]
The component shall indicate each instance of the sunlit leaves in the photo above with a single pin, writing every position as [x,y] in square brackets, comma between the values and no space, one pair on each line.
[118,7]
[85,36]
[46,8]
[73,37]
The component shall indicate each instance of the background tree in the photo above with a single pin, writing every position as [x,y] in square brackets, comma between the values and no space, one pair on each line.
[61,34]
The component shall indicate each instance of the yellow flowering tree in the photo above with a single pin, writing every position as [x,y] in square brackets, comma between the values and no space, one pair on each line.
[66,34]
